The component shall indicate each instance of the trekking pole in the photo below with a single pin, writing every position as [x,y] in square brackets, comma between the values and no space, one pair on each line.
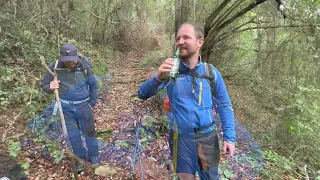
[63,123]
[175,150]
[137,151]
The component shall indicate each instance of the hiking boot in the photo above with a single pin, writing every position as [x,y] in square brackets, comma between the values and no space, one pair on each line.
[94,160]
[80,167]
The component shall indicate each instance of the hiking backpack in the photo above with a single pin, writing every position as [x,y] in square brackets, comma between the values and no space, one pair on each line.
[84,63]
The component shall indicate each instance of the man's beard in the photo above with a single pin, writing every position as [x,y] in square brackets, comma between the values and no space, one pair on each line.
[187,56]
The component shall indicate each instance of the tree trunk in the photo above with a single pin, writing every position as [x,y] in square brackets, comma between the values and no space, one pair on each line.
[178,20]
[185,11]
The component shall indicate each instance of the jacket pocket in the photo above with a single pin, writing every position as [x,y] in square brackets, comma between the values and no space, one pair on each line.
[202,94]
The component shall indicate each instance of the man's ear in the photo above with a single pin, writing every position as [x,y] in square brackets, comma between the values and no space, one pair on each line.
[200,42]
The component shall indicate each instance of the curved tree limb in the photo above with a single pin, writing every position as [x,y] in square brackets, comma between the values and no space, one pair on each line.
[240,26]
[210,38]
[212,17]
[229,34]
[240,13]
[225,15]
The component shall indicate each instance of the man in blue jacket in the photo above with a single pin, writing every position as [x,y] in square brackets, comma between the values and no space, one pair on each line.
[191,115]
[78,90]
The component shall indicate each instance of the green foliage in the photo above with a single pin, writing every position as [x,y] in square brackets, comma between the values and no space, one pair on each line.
[99,57]
[224,170]
[124,144]
[153,59]
[58,156]
[53,147]
[25,165]
[277,165]
[13,147]
[302,123]
[159,126]
[263,69]
[227,174]
[100,67]
[20,67]
[281,161]
[105,133]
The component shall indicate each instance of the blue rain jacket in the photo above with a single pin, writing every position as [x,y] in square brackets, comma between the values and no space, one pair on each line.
[191,100]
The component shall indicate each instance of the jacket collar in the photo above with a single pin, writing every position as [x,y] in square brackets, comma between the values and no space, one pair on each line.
[185,68]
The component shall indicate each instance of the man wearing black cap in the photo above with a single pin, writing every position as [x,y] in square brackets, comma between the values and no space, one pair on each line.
[77,88]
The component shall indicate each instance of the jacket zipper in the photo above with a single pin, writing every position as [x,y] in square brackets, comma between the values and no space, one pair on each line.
[200,94]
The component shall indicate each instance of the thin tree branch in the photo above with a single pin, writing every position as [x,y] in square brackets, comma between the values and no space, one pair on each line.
[99,17]
[7,129]
[227,35]
[238,27]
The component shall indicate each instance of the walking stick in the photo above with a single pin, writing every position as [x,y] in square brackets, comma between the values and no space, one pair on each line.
[63,123]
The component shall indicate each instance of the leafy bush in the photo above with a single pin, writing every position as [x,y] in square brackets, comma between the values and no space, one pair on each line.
[277,165]
[13,147]
[303,125]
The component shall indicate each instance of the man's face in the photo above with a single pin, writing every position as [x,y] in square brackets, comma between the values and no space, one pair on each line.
[187,41]
[70,64]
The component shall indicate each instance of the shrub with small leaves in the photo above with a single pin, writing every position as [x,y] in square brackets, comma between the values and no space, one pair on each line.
[13,147]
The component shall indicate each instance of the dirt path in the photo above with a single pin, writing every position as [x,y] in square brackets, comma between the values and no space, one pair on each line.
[125,81]
[117,113]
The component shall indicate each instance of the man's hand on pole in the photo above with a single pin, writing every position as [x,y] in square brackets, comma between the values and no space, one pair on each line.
[54,85]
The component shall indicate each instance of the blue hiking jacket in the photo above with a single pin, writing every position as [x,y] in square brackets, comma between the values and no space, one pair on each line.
[74,85]
[191,100]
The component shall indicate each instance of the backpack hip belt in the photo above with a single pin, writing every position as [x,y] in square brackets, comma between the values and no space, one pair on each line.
[197,130]
[74,102]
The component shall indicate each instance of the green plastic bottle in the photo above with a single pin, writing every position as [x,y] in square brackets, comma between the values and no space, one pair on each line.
[176,63]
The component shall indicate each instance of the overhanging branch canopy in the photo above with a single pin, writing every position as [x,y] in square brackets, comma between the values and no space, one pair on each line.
[223,16]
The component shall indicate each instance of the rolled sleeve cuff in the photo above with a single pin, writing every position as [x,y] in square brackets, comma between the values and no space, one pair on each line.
[156,79]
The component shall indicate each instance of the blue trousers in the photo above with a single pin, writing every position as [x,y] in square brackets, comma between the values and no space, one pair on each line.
[197,152]
[80,122]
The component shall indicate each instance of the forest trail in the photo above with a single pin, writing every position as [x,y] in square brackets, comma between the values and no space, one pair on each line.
[125,81]
[116,111]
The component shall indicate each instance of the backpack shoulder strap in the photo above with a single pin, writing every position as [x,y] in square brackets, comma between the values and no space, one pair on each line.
[55,66]
[85,64]
[211,77]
